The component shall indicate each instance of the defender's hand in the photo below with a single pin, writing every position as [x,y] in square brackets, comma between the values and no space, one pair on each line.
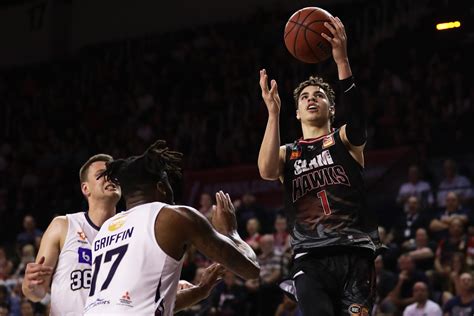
[37,273]
[223,217]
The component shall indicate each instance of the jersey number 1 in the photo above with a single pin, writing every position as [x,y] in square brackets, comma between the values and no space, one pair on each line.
[324,201]
[120,252]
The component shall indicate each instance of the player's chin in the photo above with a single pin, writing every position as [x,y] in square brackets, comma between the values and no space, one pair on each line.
[112,194]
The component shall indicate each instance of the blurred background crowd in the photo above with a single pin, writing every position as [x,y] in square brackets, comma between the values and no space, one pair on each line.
[197,88]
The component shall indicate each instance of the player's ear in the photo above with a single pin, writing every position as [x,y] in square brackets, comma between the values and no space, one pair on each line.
[332,110]
[85,189]
[161,187]
[298,115]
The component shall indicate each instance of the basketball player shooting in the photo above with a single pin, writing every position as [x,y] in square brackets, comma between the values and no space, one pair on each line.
[334,237]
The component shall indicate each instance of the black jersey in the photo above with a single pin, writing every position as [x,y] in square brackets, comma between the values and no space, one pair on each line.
[325,196]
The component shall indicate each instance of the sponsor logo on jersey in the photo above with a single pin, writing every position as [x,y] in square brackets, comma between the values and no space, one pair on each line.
[125,300]
[295,153]
[82,237]
[358,310]
[98,301]
[328,141]
[117,223]
[85,255]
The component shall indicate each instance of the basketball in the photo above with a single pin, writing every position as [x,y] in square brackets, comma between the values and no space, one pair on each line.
[303,35]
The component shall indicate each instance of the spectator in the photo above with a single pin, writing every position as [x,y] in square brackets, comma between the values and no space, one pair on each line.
[457,241]
[28,254]
[281,236]
[253,233]
[229,297]
[421,250]
[205,204]
[386,281]
[402,296]
[422,305]
[270,272]
[27,308]
[4,310]
[410,221]
[463,303]
[415,187]
[439,225]
[453,182]
[30,234]
[6,265]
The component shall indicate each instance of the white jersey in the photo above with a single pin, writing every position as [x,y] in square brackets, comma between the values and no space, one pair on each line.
[73,274]
[131,273]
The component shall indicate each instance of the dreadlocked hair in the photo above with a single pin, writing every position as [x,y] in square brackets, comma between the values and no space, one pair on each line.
[136,173]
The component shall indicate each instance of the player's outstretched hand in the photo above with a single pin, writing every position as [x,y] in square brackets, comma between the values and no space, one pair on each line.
[338,40]
[270,96]
[37,273]
[223,217]
[210,277]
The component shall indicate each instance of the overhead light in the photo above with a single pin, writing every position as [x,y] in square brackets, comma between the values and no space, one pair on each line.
[448,25]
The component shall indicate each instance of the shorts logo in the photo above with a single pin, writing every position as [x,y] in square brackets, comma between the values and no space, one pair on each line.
[328,141]
[117,223]
[85,255]
[358,310]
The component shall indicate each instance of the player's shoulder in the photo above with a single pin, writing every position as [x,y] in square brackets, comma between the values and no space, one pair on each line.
[181,212]
[59,222]
[57,230]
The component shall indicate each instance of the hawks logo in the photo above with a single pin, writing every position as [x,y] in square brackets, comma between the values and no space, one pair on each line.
[328,141]
[117,223]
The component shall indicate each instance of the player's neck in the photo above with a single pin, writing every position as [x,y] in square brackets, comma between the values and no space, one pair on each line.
[311,131]
[139,198]
[100,211]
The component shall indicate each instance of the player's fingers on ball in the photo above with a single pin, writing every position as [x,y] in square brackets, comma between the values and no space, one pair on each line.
[330,27]
[328,38]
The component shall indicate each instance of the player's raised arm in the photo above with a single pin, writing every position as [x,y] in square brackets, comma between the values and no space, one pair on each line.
[178,227]
[354,133]
[37,280]
[271,155]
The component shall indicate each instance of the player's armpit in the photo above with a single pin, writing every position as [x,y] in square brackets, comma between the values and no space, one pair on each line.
[38,275]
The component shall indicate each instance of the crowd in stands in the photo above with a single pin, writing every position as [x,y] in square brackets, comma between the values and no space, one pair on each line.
[200,93]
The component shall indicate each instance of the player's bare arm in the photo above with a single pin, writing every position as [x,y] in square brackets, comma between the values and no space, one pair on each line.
[177,227]
[193,294]
[271,156]
[37,280]
[353,134]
